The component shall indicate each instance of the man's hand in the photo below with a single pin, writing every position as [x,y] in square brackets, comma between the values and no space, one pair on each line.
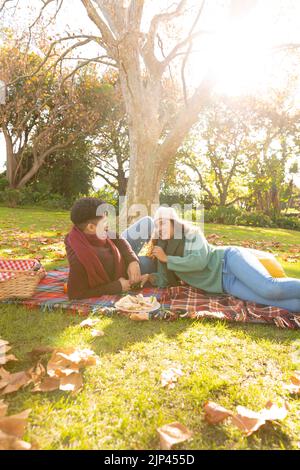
[145,278]
[148,278]
[134,272]
[159,253]
[125,284]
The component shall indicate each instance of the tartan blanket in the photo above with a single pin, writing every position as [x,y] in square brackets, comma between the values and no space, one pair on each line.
[176,302]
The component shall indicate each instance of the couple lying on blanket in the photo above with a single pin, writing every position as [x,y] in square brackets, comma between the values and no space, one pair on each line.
[104,263]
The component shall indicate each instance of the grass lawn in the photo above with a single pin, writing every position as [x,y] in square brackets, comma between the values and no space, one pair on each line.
[122,402]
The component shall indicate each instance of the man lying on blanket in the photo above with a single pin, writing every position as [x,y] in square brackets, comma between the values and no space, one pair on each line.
[100,261]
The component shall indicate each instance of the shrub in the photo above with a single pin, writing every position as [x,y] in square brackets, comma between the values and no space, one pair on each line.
[291,223]
[12,197]
[255,219]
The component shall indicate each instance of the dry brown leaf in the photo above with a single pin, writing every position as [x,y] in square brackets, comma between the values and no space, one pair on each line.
[247,420]
[3,408]
[97,333]
[4,374]
[12,382]
[15,425]
[173,433]
[272,412]
[295,378]
[4,359]
[8,442]
[79,357]
[37,373]
[293,389]
[250,421]
[66,364]
[88,323]
[215,413]
[294,386]
[71,383]
[49,384]
[169,377]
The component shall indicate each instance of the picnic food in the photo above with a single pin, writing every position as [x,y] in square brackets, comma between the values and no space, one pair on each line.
[137,303]
[149,248]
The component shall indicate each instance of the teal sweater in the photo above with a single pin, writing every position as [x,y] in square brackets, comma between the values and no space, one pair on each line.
[200,266]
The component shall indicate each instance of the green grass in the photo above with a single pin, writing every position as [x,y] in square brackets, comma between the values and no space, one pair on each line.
[122,402]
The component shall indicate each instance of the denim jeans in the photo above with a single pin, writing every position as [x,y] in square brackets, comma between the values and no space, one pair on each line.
[138,234]
[246,278]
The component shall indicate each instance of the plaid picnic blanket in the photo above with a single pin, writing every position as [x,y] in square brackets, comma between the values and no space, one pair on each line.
[176,302]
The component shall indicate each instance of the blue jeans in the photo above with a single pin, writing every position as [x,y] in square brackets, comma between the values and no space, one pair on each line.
[246,278]
[138,234]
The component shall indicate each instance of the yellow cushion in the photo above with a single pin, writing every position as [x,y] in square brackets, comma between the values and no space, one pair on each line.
[273,266]
[269,261]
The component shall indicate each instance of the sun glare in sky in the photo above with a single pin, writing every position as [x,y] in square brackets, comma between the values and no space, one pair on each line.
[242,53]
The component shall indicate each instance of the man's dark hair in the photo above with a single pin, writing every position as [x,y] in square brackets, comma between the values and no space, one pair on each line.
[84,211]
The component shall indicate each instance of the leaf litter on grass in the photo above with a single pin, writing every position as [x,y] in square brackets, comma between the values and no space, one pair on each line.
[12,429]
[246,420]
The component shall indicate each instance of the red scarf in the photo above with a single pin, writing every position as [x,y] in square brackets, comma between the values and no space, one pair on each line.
[82,247]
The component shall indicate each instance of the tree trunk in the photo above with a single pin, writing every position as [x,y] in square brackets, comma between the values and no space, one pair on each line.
[143,187]
[10,160]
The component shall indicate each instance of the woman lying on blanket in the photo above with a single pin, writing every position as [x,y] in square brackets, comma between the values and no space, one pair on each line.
[102,262]
[184,254]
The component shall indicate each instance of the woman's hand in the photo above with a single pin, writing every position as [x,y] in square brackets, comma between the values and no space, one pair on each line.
[134,272]
[159,253]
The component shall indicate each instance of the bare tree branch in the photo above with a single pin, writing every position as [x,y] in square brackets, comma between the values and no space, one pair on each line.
[148,50]
[3,4]
[135,13]
[189,50]
[48,54]
[107,35]
[84,63]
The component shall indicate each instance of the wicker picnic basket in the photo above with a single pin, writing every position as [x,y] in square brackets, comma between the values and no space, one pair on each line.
[19,278]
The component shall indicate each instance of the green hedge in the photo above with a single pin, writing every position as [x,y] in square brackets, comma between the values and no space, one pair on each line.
[233,216]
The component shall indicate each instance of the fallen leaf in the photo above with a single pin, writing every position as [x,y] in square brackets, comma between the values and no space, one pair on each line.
[4,359]
[49,384]
[247,420]
[12,382]
[294,386]
[71,383]
[3,408]
[169,377]
[96,333]
[15,425]
[65,365]
[88,323]
[173,433]
[215,413]
[79,357]
[272,412]
[37,373]
[8,442]
[295,378]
